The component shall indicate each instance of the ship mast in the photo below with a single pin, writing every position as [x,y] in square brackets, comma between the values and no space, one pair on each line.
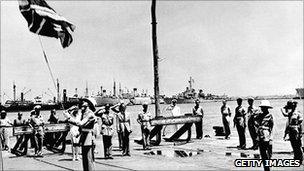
[58,95]
[155,64]
[14,90]
[114,89]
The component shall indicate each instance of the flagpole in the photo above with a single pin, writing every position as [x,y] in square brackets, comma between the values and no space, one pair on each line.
[48,65]
[155,63]
[46,60]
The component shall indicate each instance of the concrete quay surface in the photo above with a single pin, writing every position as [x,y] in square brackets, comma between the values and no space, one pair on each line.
[204,154]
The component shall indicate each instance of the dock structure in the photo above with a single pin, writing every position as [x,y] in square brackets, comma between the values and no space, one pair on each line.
[211,153]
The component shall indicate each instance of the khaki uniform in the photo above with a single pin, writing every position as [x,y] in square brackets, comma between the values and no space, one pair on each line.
[144,120]
[240,122]
[251,112]
[107,133]
[295,130]
[264,124]
[87,138]
[125,128]
[226,113]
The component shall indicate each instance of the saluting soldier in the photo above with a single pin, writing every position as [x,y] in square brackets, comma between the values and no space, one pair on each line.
[86,141]
[107,131]
[264,123]
[197,110]
[240,123]
[295,132]
[119,132]
[286,110]
[251,112]
[74,131]
[144,119]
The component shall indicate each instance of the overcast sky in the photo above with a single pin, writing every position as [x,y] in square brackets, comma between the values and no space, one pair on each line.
[234,48]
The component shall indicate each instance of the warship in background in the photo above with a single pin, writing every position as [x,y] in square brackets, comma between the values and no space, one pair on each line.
[190,95]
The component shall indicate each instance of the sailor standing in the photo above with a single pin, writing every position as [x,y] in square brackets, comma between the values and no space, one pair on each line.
[86,141]
[198,111]
[124,127]
[240,123]
[264,123]
[251,112]
[144,119]
[226,114]
[295,132]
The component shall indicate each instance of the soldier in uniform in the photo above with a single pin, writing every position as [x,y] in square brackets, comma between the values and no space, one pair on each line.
[144,120]
[295,132]
[107,131]
[264,124]
[251,112]
[240,123]
[86,141]
[198,111]
[124,127]
[286,110]
[119,132]
[226,114]
[37,123]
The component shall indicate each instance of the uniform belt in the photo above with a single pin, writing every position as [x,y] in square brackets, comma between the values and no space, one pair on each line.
[124,121]
[86,130]
[293,125]
[263,127]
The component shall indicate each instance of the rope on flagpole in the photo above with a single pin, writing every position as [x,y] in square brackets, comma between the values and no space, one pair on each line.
[48,65]
[47,62]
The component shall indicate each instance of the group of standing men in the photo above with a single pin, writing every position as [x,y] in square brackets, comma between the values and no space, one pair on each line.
[35,121]
[86,123]
[260,125]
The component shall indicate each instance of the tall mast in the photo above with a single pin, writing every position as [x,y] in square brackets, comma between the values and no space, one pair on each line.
[120,91]
[155,64]
[58,96]
[14,90]
[155,59]
[190,84]
[86,90]
[114,89]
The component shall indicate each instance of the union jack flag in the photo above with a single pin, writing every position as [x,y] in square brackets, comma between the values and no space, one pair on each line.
[43,20]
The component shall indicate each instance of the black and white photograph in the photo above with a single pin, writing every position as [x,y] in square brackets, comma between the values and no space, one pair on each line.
[151,85]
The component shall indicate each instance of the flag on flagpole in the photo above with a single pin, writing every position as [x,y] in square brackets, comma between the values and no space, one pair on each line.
[43,20]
